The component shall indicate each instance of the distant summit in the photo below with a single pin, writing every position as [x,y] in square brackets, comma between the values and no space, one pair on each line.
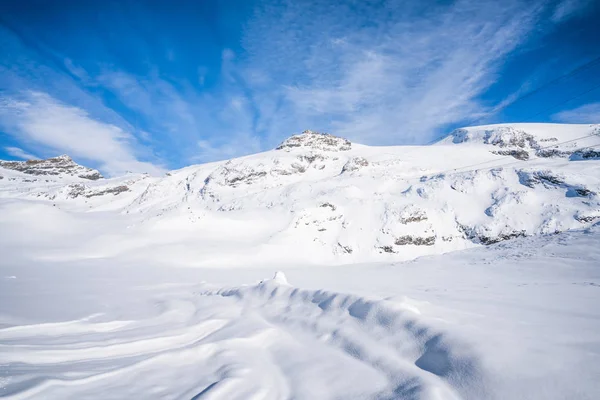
[61,165]
[316,141]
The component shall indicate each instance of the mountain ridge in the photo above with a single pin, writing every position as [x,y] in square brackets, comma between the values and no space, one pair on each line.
[321,199]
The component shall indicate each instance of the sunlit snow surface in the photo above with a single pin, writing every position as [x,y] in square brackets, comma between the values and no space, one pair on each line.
[279,275]
[517,320]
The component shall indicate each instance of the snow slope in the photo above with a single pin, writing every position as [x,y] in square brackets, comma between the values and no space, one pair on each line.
[321,199]
[515,320]
[96,300]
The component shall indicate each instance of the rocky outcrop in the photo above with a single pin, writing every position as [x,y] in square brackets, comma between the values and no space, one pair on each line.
[587,218]
[415,240]
[552,153]
[354,164]
[77,190]
[234,174]
[516,153]
[316,141]
[533,178]
[487,240]
[585,154]
[410,215]
[549,180]
[62,165]
[504,136]
[475,235]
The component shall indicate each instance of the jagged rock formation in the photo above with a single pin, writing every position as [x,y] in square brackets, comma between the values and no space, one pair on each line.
[518,154]
[354,164]
[316,141]
[586,154]
[62,165]
[82,190]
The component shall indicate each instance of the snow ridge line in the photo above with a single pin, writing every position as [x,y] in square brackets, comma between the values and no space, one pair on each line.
[419,360]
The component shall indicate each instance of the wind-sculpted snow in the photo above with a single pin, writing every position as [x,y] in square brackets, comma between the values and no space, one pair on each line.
[269,340]
[515,320]
[480,185]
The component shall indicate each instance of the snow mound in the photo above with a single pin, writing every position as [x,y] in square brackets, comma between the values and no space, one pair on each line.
[62,165]
[315,141]
[280,278]
[407,356]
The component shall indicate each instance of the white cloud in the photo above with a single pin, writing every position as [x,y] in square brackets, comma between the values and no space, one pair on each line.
[221,124]
[569,8]
[158,101]
[76,70]
[402,70]
[20,153]
[586,114]
[38,118]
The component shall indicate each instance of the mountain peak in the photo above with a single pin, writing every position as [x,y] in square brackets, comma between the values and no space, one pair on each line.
[315,141]
[61,165]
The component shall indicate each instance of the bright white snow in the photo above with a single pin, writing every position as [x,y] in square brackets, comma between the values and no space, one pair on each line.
[95,301]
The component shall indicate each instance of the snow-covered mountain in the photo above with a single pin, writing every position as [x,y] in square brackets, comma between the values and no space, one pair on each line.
[57,166]
[318,198]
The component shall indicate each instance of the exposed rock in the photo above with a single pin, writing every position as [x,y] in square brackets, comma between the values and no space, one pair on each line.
[311,157]
[585,154]
[113,190]
[410,216]
[236,174]
[530,179]
[77,190]
[354,164]
[346,249]
[579,192]
[517,153]
[552,153]
[415,240]
[587,218]
[487,240]
[387,249]
[316,141]
[504,136]
[477,237]
[62,165]
[329,205]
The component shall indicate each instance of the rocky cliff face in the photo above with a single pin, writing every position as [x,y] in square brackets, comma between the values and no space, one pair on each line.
[62,165]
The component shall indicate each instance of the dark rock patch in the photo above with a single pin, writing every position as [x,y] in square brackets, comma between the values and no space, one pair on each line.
[415,240]
[518,154]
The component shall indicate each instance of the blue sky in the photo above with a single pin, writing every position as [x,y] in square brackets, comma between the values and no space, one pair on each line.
[156,85]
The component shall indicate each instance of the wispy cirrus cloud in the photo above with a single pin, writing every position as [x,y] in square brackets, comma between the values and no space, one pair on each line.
[566,9]
[205,126]
[387,74]
[38,118]
[20,153]
[586,114]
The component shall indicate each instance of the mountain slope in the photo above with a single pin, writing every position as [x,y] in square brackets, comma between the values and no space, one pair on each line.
[321,199]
